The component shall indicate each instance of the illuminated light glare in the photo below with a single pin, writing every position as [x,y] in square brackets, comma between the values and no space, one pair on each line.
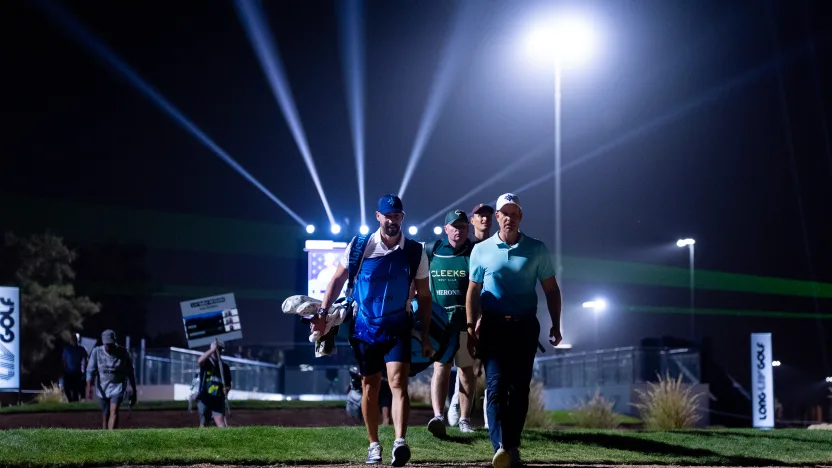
[598,305]
[412,230]
[335,229]
[352,63]
[685,242]
[310,228]
[364,229]
[569,40]
[437,230]
[99,49]
[775,363]
[269,56]
[829,380]
[464,31]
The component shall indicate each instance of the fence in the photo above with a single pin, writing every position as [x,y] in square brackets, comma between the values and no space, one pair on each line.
[168,366]
[631,365]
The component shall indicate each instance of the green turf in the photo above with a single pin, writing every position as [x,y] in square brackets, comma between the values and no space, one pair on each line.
[166,405]
[271,445]
[564,418]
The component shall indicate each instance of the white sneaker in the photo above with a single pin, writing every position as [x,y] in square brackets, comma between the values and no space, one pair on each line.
[374,454]
[465,426]
[436,426]
[453,411]
[501,458]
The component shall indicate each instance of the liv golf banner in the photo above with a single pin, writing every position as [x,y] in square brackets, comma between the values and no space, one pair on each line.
[9,338]
[762,381]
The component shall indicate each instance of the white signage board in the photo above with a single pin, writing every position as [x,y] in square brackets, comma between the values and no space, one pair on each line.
[324,257]
[9,338]
[762,381]
[210,318]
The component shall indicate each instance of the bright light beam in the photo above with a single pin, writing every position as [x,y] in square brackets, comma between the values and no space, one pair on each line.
[352,58]
[267,52]
[498,175]
[98,49]
[704,99]
[452,57]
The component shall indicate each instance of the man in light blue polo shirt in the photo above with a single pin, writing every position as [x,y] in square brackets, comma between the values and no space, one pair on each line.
[502,322]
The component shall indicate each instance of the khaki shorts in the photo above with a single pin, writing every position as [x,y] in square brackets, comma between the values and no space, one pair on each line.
[463,358]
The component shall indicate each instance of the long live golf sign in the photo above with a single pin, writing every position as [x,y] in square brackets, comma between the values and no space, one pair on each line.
[9,338]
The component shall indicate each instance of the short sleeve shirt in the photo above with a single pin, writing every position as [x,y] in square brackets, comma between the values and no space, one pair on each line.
[510,274]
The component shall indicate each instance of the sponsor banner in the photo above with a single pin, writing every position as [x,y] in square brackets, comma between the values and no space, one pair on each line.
[9,338]
[762,381]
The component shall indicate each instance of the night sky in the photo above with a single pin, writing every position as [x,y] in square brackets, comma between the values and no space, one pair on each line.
[705,119]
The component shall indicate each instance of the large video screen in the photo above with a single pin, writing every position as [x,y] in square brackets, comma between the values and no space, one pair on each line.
[324,257]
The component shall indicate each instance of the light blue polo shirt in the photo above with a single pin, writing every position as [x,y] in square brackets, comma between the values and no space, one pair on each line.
[510,274]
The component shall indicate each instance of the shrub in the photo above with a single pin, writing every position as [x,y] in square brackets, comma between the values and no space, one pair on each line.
[51,394]
[419,390]
[537,416]
[596,413]
[668,404]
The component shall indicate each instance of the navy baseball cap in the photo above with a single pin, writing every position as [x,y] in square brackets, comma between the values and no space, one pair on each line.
[390,204]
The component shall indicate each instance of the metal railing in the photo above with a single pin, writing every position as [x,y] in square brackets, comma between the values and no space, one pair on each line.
[629,365]
[169,366]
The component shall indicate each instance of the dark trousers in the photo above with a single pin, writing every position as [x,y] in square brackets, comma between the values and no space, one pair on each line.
[74,386]
[507,348]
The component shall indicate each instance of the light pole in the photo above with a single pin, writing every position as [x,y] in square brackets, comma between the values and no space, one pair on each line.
[566,40]
[689,243]
[598,305]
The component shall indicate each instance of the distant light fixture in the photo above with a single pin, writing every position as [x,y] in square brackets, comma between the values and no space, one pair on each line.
[413,230]
[335,229]
[437,230]
[364,229]
[310,228]
[775,363]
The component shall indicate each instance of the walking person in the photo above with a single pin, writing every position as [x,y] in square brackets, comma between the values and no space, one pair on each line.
[502,322]
[109,371]
[214,387]
[383,265]
[449,264]
[481,216]
[74,362]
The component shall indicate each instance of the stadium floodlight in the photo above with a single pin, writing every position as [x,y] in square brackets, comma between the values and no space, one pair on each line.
[829,380]
[364,229]
[413,230]
[437,230]
[775,363]
[310,229]
[335,228]
[689,244]
[598,305]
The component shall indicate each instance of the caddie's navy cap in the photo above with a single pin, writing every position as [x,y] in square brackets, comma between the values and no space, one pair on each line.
[390,204]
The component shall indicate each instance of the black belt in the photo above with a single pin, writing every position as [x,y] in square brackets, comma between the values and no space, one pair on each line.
[508,318]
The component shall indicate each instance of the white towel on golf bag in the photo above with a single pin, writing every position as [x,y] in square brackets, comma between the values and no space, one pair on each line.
[305,305]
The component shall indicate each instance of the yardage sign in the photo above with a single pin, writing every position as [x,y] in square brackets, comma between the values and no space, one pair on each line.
[9,338]
[210,318]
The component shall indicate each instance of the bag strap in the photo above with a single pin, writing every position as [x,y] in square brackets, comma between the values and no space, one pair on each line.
[413,250]
[429,250]
[357,248]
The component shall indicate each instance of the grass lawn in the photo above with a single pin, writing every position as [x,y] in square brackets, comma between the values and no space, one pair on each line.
[166,405]
[564,418]
[270,445]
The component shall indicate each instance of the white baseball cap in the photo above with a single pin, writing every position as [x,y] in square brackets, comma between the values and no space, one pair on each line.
[508,199]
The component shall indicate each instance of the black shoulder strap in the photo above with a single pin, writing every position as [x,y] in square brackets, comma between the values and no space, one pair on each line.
[429,250]
[413,250]
[359,244]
